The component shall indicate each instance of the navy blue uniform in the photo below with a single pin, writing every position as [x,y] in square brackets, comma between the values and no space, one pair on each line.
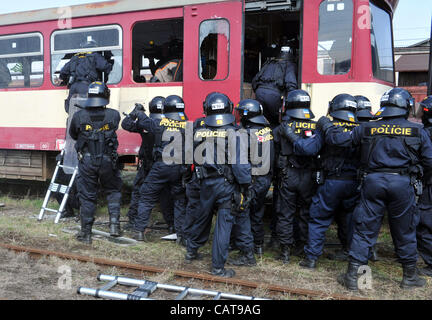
[338,195]
[276,78]
[392,150]
[219,182]
[145,161]
[162,174]
[95,132]
[85,68]
[247,225]
[296,184]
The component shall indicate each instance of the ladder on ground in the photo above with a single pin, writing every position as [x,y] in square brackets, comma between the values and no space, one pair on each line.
[58,188]
[145,288]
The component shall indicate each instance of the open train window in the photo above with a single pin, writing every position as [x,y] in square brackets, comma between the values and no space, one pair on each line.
[157,51]
[107,40]
[335,37]
[21,60]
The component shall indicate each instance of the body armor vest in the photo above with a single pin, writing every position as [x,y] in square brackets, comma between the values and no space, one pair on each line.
[168,125]
[334,159]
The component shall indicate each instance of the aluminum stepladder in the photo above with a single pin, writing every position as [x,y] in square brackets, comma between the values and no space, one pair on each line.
[56,187]
[146,288]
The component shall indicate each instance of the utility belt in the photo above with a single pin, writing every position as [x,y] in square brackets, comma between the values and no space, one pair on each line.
[284,163]
[209,173]
[97,159]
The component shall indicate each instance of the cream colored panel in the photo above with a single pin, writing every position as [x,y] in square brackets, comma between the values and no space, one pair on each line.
[45,108]
[322,93]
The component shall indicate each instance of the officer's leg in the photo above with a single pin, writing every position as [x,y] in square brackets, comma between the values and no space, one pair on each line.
[111,182]
[271,102]
[87,185]
[285,223]
[149,194]
[166,204]
[403,220]
[424,239]
[222,231]
[192,206]
[324,203]
[243,240]
[179,198]
[133,207]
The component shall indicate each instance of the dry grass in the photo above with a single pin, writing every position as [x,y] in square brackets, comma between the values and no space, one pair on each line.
[19,226]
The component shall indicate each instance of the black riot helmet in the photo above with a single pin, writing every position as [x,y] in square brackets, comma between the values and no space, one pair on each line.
[251,111]
[297,105]
[98,95]
[174,108]
[156,107]
[395,103]
[364,109]
[426,106]
[343,107]
[218,109]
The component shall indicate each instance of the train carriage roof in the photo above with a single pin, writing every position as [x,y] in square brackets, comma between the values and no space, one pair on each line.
[115,6]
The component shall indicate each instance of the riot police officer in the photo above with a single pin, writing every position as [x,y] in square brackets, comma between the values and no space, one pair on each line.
[145,161]
[223,176]
[276,78]
[261,154]
[295,172]
[82,69]
[167,168]
[364,109]
[392,150]
[337,185]
[94,128]
[424,228]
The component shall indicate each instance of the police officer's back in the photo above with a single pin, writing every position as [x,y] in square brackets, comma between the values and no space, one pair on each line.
[83,69]
[94,128]
[392,150]
[276,78]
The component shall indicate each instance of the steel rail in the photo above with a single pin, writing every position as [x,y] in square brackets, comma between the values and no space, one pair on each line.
[183,274]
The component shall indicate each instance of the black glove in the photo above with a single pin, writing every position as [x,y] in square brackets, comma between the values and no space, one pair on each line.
[288,132]
[138,108]
[240,200]
[324,124]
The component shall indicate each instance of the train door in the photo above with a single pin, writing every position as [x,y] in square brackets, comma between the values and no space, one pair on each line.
[269,25]
[213,36]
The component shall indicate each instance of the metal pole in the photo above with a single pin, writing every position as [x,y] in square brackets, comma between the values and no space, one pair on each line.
[108,294]
[429,89]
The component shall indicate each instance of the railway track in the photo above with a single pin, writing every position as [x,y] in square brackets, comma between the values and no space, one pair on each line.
[139,269]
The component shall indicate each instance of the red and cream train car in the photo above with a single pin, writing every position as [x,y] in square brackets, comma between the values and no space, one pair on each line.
[342,46]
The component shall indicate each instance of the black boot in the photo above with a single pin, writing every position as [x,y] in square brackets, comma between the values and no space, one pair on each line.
[222,272]
[192,255]
[181,241]
[374,254]
[258,249]
[411,278]
[426,271]
[114,225]
[85,234]
[340,255]
[350,279]
[308,263]
[285,254]
[246,258]
[138,235]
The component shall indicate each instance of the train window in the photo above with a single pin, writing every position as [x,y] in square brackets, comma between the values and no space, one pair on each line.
[104,40]
[381,41]
[21,60]
[214,49]
[335,37]
[157,48]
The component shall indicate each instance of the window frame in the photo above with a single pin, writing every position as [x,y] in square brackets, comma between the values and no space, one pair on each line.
[228,52]
[28,54]
[106,48]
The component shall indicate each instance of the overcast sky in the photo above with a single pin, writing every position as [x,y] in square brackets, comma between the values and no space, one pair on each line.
[411,23]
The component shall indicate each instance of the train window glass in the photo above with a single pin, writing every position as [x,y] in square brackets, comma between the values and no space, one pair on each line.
[382,45]
[21,60]
[335,37]
[104,40]
[214,49]
[157,47]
